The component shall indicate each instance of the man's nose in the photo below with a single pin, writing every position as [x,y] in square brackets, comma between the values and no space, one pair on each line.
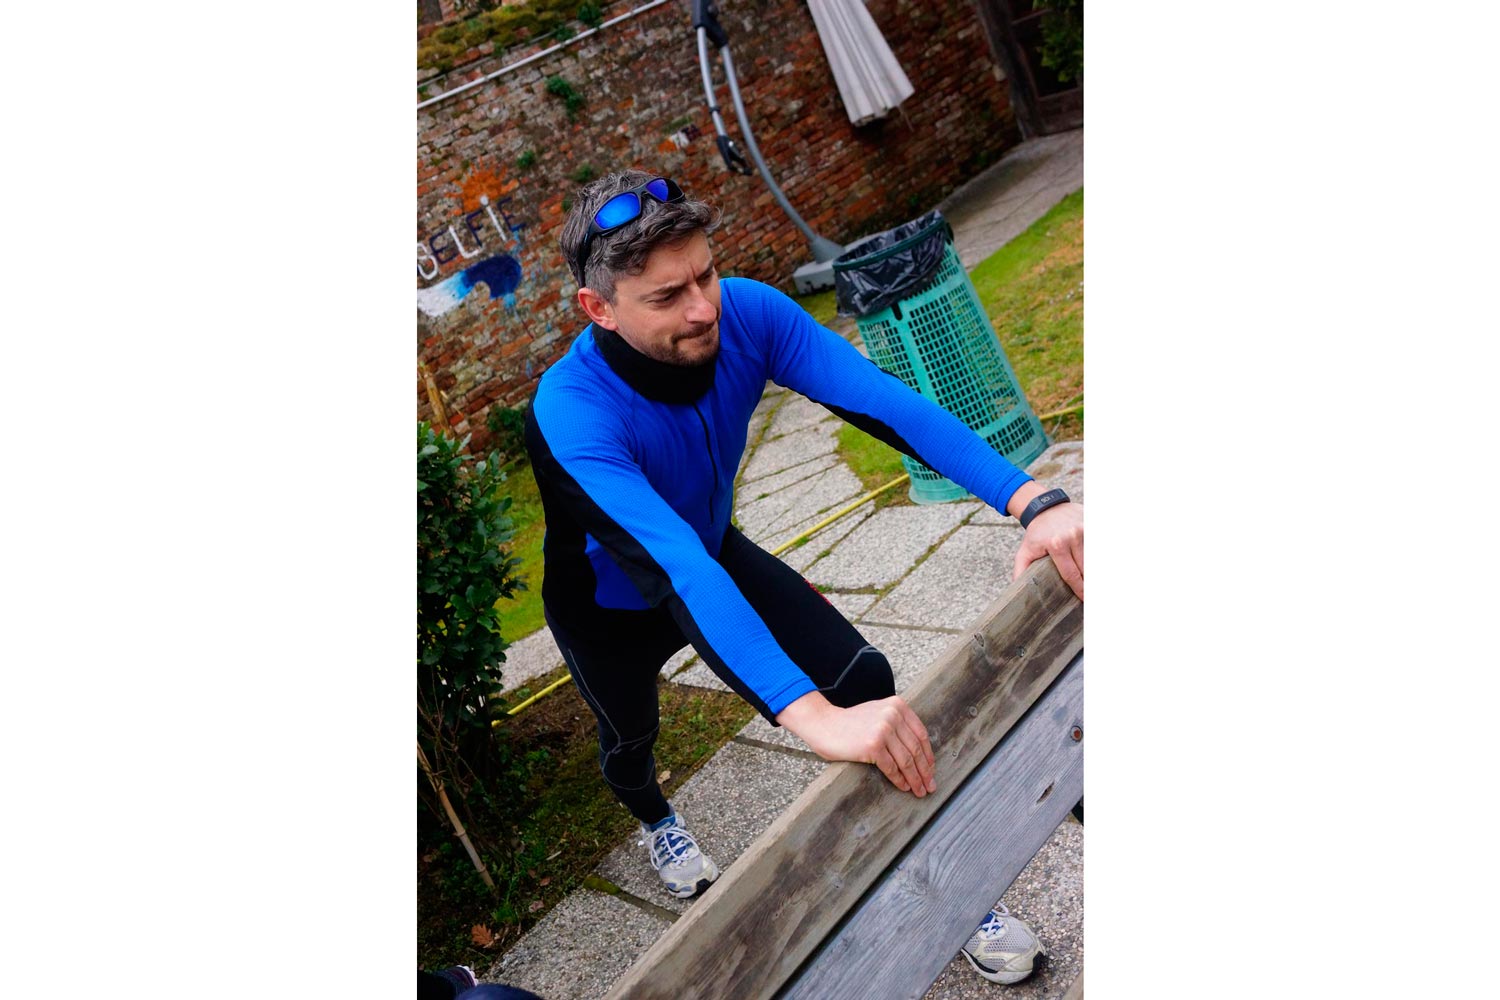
[699,308]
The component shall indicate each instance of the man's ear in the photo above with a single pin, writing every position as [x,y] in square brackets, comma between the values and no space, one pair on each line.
[600,311]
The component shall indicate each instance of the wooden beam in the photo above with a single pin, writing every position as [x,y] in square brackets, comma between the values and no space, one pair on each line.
[778,901]
[906,931]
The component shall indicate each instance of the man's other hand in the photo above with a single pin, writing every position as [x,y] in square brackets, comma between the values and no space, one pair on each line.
[1056,532]
[886,733]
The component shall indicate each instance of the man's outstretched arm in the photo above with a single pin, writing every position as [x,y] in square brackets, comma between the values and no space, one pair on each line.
[821,365]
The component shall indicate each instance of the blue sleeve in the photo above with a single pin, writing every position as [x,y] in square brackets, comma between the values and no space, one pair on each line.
[589,462]
[810,359]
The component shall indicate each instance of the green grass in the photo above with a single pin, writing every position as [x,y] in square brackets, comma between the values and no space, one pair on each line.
[822,305]
[874,462]
[522,615]
[1032,289]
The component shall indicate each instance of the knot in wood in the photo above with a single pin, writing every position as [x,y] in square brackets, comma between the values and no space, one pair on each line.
[1077,734]
[973,711]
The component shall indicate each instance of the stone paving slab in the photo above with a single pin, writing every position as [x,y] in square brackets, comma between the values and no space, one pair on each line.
[796,414]
[802,557]
[956,583]
[785,452]
[561,958]
[819,494]
[768,486]
[726,805]
[752,431]
[1048,895]
[529,658]
[1060,465]
[992,209]
[699,675]
[816,545]
[885,547]
[678,660]
[851,605]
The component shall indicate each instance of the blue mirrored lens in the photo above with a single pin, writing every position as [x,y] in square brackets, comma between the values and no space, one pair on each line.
[658,189]
[618,210]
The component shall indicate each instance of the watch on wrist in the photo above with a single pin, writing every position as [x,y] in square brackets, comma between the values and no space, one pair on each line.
[1041,502]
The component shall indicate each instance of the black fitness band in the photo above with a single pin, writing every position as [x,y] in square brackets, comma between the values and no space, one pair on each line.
[1040,503]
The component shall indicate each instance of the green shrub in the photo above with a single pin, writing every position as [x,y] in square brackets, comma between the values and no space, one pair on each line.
[1062,37]
[591,15]
[526,160]
[463,569]
[508,424]
[584,174]
[572,99]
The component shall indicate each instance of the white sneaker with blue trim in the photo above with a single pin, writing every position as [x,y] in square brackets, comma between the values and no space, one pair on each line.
[1004,947]
[684,869]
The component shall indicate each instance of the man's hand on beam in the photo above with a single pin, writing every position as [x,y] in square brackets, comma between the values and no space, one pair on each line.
[886,733]
[1056,532]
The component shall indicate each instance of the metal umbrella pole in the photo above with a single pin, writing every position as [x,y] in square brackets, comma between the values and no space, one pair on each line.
[809,277]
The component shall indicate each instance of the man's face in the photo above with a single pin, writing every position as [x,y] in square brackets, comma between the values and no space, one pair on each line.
[670,311]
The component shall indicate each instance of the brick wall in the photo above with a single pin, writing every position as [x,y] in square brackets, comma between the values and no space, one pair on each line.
[495,163]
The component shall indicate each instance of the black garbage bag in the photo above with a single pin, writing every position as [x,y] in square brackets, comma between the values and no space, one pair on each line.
[881,269]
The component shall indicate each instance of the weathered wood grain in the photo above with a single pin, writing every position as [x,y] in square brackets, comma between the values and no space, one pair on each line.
[899,939]
[778,901]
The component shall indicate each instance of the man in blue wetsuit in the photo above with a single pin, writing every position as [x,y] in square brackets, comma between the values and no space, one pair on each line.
[635,436]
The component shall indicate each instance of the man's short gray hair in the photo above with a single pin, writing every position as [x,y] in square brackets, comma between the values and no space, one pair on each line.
[624,251]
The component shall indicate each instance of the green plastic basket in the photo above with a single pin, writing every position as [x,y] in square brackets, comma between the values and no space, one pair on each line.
[939,341]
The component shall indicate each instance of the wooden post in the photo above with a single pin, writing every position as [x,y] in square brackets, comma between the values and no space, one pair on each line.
[458,827]
[779,900]
[434,397]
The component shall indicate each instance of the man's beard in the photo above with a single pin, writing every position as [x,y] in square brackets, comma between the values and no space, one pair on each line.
[672,354]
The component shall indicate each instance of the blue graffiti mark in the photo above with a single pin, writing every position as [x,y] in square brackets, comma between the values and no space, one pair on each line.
[500,273]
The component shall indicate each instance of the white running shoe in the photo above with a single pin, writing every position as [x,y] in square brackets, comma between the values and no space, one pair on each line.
[685,870]
[1004,947]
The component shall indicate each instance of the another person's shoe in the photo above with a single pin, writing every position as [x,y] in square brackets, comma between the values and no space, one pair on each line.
[1004,947]
[685,870]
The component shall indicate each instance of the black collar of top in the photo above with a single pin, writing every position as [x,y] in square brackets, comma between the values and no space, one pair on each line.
[651,378]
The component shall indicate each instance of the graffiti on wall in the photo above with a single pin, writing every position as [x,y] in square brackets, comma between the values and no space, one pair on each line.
[499,272]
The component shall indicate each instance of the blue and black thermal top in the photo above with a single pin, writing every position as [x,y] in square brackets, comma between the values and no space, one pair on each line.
[635,461]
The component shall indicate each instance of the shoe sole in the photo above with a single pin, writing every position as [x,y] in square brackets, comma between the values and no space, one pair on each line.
[1003,976]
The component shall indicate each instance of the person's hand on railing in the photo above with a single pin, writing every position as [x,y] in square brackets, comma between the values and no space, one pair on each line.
[886,733]
[1055,531]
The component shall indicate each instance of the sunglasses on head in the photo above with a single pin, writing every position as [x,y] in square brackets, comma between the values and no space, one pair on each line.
[622,208]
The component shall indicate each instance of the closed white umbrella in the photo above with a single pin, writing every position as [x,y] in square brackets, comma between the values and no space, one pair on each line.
[869,78]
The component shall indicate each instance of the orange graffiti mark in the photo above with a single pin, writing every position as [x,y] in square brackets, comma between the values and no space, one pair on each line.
[481,182]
